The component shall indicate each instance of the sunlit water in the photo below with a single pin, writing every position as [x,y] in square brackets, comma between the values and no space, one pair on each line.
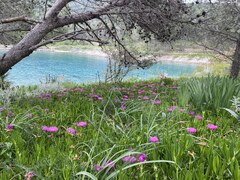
[80,68]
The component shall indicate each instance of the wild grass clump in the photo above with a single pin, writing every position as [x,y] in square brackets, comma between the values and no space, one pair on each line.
[116,131]
[209,93]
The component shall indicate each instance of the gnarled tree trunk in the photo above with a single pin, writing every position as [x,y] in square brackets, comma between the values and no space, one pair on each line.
[235,67]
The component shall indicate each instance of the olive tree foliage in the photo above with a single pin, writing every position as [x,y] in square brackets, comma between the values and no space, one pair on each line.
[217,28]
[94,21]
[14,10]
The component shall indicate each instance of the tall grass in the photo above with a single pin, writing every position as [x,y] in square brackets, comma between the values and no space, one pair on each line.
[209,93]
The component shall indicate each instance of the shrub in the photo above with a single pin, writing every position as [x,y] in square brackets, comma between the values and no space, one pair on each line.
[235,111]
[210,93]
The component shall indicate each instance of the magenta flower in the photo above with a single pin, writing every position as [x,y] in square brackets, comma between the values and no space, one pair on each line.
[156,102]
[50,129]
[130,159]
[154,139]
[142,157]
[170,110]
[123,107]
[82,124]
[191,113]
[100,98]
[71,131]
[145,97]
[198,117]
[9,127]
[212,127]
[191,130]
[98,167]
[59,95]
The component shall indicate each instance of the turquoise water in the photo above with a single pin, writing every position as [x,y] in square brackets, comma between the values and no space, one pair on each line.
[81,69]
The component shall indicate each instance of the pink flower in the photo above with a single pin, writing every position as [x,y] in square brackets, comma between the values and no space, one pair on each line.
[156,102]
[50,129]
[198,117]
[191,130]
[29,175]
[153,139]
[145,97]
[100,98]
[71,131]
[9,127]
[142,157]
[170,110]
[191,113]
[212,127]
[98,167]
[123,107]
[130,159]
[82,124]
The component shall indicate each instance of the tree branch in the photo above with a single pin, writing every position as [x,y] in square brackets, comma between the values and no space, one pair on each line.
[16,19]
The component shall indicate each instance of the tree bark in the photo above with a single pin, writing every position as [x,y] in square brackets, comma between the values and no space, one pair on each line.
[235,67]
[23,48]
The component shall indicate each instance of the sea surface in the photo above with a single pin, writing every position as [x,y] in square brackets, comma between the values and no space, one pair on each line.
[78,68]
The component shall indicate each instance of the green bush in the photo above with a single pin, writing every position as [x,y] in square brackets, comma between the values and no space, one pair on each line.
[209,93]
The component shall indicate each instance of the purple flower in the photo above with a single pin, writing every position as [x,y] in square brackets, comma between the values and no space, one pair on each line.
[130,159]
[191,130]
[71,131]
[142,157]
[145,97]
[2,109]
[50,129]
[9,127]
[100,98]
[98,167]
[59,95]
[191,113]
[81,124]
[170,110]
[153,139]
[212,127]
[44,128]
[156,101]
[198,117]
[123,107]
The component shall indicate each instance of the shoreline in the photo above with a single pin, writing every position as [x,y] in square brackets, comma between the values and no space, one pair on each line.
[98,52]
